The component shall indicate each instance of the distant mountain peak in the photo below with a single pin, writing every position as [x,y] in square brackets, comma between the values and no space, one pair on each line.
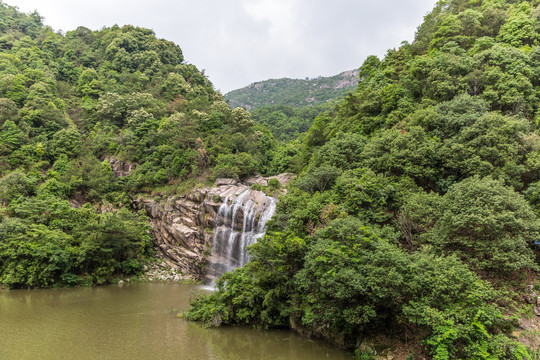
[293,92]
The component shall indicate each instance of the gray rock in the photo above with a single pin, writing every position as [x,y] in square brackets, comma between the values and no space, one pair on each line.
[259,180]
[181,225]
[224,181]
[120,168]
[284,178]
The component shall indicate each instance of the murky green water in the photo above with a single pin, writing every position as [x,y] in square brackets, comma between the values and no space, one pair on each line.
[133,322]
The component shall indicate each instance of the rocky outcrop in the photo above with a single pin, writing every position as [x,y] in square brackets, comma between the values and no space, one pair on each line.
[183,226]
[222,182]
[121,168]
[283,179]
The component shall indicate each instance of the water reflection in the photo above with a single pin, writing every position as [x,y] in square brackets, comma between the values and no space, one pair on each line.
[133,322]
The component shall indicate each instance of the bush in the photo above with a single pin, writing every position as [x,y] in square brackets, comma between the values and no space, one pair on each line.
[319,179]
[33,255]
[46,242]
[343,151]
[455,307]
[487,224]
[15,184]
[239,165]
[365,194]
[353,276]
[274,184]
[256,294]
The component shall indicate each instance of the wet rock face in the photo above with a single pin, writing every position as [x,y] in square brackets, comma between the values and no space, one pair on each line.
[184,226]
[240,221]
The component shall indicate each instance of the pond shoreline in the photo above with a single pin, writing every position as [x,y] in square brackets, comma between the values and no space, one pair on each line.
[134,321]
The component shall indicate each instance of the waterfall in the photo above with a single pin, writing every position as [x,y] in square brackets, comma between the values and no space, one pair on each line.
[239,223]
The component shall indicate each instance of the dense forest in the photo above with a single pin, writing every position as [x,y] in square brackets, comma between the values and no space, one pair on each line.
[71,106]
[293,92]
[288,123]
[287,107]
[415,215]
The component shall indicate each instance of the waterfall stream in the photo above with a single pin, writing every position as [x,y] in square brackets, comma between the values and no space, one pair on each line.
[239,223]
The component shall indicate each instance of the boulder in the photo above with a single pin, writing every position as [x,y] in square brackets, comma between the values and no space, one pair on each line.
[259,180]
[284,178]
[224,182]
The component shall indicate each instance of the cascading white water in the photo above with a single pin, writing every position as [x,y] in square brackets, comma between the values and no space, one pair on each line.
[239,223]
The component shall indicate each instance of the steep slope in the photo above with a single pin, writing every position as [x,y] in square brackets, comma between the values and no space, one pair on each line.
[287,107]
[88,120]
[416,215]
[293,92]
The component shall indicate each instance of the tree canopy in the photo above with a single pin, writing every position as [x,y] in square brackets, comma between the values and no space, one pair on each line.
[71,105]
[416,206]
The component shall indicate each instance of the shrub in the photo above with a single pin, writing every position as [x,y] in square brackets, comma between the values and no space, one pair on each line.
[487,224]
[239,165]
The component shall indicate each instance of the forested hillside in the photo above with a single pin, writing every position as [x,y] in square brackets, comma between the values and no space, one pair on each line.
[293,92]
[287,107]
[289,123]
[416,216]
[72,107]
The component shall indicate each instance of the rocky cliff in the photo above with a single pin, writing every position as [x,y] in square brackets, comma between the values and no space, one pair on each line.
[183,226]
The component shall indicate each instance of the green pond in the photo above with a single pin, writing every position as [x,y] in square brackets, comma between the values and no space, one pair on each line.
[133,322]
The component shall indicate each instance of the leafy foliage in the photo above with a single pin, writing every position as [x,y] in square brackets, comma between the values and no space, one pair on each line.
[46,242]
[73,105]
[486,224]
[416,203]
[296,93]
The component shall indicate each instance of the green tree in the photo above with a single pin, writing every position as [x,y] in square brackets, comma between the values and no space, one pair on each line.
[11,137]
[239,165]
[344,151]
[365,194]
[66,141]
[487,224]
[89,83]
[15,184]
[456,308]
[519,29]
[8,111]
[352,277]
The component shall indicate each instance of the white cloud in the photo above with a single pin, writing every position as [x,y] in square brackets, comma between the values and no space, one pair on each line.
[239,42]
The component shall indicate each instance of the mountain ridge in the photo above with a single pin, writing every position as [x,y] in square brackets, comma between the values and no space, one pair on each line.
[293,92]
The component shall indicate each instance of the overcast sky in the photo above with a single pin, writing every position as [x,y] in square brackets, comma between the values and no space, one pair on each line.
[239,42]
